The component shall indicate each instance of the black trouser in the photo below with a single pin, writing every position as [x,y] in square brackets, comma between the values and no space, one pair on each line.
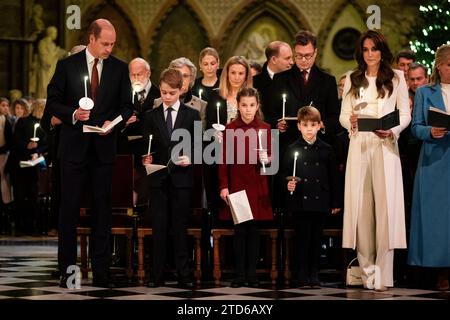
[170,208]
[73,180]
[246,248]
[309,228]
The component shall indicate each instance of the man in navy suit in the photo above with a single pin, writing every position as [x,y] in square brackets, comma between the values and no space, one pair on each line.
[305,84]
[90,155]
[170,189]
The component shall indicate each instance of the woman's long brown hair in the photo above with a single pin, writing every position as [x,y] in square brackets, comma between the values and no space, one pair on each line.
[385,73]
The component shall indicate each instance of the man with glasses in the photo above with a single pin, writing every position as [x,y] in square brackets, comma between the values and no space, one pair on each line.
[305,84]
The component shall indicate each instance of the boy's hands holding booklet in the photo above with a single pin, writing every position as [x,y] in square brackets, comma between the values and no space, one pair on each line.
[183,161]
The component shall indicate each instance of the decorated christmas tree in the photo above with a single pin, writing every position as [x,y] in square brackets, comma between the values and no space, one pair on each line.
[433,30]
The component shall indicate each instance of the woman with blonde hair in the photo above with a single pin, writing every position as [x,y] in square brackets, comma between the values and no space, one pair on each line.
[236,74]
[430,213]
[208,62]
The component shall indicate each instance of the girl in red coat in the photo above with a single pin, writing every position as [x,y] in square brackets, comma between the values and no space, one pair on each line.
[243,164]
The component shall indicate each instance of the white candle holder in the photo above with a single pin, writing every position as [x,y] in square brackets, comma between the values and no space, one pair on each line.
[86,103]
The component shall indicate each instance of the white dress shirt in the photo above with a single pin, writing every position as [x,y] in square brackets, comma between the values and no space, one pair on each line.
[175,108]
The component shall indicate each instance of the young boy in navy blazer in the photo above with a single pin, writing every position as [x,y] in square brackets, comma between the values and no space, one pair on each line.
[171,188]
[312,196]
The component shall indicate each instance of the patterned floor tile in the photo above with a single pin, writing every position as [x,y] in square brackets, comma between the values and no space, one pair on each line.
[26,266]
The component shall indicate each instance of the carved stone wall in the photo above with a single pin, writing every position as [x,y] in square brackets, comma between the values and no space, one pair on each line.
[223,24]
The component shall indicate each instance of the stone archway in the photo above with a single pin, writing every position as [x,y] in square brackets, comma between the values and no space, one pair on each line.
[256,24]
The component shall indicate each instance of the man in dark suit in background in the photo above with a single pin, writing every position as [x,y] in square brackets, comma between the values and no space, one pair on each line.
[305,84]
[170,188]
[131,139]
[279,59]
[91,155]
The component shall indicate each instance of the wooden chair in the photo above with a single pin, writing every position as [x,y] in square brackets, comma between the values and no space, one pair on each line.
[122,210]
[219,233]
[289,234]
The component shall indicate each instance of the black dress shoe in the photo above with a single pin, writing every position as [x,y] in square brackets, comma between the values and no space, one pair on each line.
[186,285]
[63,281]
[253,284]
[56,274]
[237,283]
[102,283]
[156,283]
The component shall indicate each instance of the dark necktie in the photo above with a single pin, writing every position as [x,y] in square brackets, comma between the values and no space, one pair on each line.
[141,96]
[94,81]
[305,77]
[169,120]
[139,99]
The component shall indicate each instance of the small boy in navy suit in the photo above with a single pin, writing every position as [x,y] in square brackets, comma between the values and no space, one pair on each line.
[311,195]
[170,189]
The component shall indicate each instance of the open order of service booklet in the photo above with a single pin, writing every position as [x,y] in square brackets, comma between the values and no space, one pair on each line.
[31,163]
[386,122]
[96,129]
[438,118]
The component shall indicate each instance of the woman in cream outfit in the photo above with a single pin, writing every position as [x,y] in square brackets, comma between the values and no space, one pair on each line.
[374,218]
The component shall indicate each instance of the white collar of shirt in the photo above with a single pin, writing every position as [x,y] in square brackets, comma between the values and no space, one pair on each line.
[307,72]
[270,72]
[175,108]
[310,142]
[90,62]
[147,88]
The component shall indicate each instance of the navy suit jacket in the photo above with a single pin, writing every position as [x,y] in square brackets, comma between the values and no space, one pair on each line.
[113,99]
[321,90]
[161,148]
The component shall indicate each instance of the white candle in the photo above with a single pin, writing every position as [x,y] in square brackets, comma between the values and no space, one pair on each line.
[200,93]
[218,115]
[295,167]
[36,125]
[295,163]
[260,139]
[132,97]
[284,105]
[85,85]
[261,148]
[149,143]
